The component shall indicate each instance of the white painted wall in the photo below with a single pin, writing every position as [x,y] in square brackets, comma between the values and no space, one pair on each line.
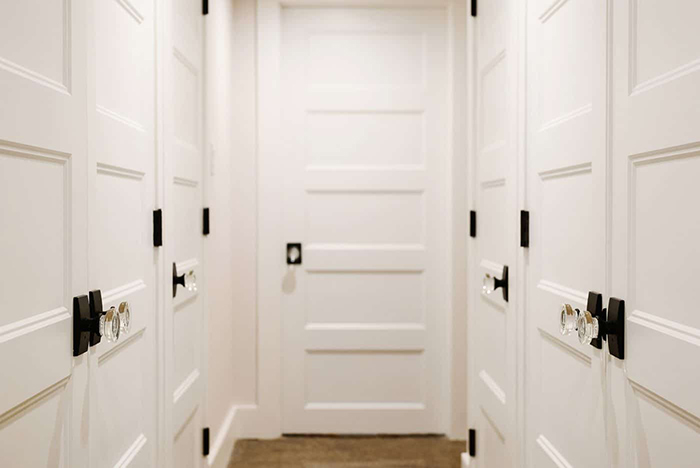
[230,248]
[458,172]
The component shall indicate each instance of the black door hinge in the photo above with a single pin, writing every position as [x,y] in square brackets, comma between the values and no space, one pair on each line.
[157,228]
[474,7]
[472,223]
[524,228]
[472,442]
[205,7]
[205,441]
[205,222]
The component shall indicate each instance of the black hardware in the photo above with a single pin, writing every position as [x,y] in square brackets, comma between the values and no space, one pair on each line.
[82,325]
[205,222]
[472,223]
[96,311]
[595,307]
[290,248]
[502,283]
[177,280]
[158,228]
[205,441]
[205,7]
[474,7]
[614,328]
[472,442]
[524,228]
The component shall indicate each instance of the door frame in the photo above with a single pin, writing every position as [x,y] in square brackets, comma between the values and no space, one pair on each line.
[517,285]
[264,418]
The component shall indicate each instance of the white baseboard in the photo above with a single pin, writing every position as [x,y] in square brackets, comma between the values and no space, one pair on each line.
[226,437]
[465,460]
[233,428]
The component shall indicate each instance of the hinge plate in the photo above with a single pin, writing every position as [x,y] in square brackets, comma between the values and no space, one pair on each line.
[205,441]
[472,442]
[524,228]
[474,2]
[472,223]
[205,222]
[158,228]
[205,7]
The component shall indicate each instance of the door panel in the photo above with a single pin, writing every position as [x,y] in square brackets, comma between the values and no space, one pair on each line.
[42,240]
[491,325]
[183,166]
[364,129]
[566,192]
[656,161]
[122,261]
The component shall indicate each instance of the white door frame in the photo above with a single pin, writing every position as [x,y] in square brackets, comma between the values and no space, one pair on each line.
[517,281]
[264,419]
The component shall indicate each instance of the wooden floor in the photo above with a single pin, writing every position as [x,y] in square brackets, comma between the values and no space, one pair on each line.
[348,452]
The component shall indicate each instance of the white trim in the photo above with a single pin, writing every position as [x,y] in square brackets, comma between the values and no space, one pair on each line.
[466,460]
[225,440]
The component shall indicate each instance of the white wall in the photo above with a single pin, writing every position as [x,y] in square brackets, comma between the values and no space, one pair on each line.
[230,248]
[458,374]
[244,209]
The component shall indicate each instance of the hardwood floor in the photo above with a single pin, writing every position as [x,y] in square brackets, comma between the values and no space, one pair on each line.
[348,452]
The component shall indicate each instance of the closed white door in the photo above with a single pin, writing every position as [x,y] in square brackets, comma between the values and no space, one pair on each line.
[122,258]
[184,321]
[43,207]
[566,197]
[364,156]
[492,319]
[656,227]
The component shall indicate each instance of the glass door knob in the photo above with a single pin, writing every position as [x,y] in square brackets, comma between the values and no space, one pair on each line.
[110,325]
[489,284]
[190,281]
[125,317]
[568,319]
[588,327]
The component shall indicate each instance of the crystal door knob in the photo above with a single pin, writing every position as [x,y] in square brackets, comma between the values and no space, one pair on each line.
[125,317]
[491,283]
[187,280]
[110,325]
[568,319]
[588,327]
[488,284]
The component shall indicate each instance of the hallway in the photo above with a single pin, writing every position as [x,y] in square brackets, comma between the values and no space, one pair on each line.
[348,452]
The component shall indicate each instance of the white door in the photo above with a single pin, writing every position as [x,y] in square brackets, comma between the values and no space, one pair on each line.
[183,231]
[492,319]
[566,187]
[364,133]
[43,207]
[122,258]
[656,228]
